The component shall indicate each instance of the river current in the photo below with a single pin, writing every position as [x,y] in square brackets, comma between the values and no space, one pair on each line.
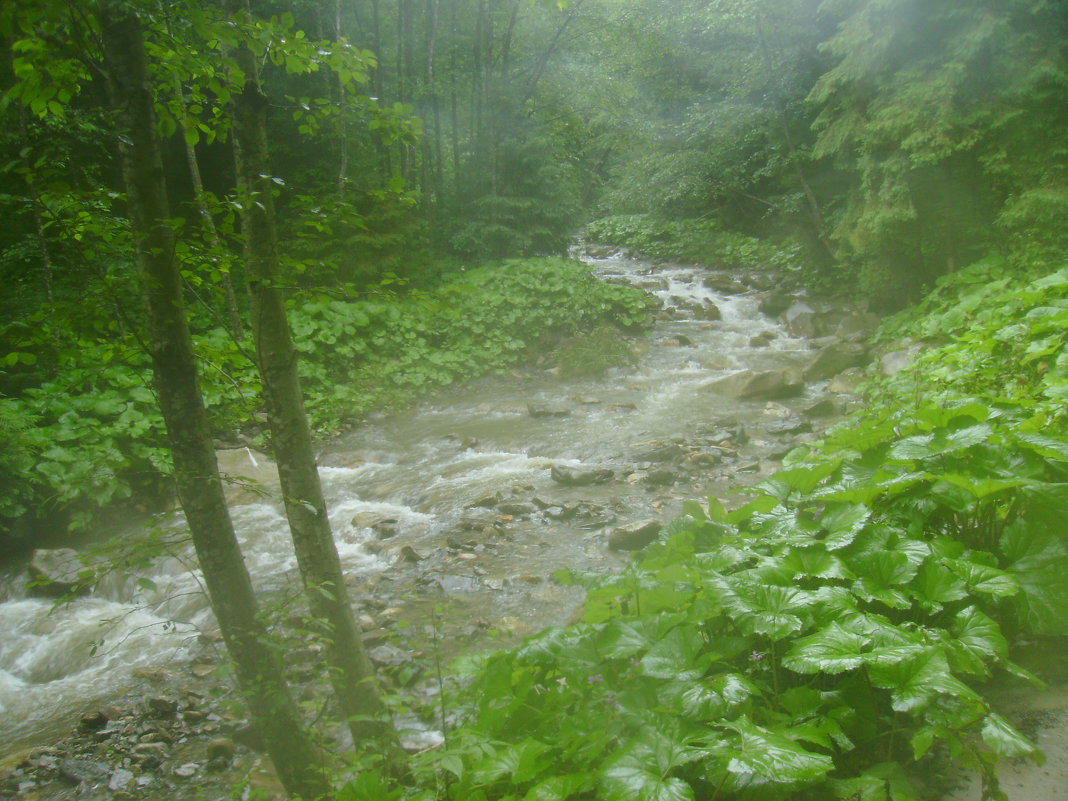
[451,503]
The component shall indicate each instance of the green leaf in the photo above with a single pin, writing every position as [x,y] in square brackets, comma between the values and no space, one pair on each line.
[709,699]
[1004,740]
[558,788]
[914,682]
[641,769]
[842,522]
[1038,561]
[765,609]
[830,650]
[978,636]
[676,656]
[983,578]
[770,756]
[936,585]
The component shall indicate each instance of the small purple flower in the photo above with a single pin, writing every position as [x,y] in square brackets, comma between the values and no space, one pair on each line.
[597,678]
[756,656]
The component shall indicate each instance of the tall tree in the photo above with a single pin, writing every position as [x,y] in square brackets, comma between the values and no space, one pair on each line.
[258,665]
[351,672]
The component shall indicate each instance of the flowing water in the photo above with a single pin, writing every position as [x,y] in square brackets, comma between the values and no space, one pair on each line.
[418,477]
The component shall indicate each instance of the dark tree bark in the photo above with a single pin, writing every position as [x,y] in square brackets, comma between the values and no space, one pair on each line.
[259,668]
[351,673]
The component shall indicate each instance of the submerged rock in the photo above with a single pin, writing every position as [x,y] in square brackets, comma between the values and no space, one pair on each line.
[580,477]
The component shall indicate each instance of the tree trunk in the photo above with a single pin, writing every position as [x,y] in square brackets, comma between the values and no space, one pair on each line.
[259,668]
[237,327]
[351,673]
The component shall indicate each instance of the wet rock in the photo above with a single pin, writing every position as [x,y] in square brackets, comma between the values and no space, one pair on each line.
[776,303]
[93,721]
[827,407]
[580,476]
[753,384]
[542,410]
[858,324]
[78,771]
[220,748]
[517,508]
[121,781]
[658,451]
[789,425]
[186,771]
[847,382]
[894,362]
[833,359]
[409,554]
[724,284]
[601,251]
[386,528]
[486,501]
[661,477]
[800,320]
[709,312]
[202,670]
[635,536]
[762,340]
[162,707]
[477,520]
[586,400]
[389,655]
[154,674]
[59,571]
[144,751]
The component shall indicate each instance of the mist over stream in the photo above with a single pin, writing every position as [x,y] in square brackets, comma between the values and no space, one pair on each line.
[451,503]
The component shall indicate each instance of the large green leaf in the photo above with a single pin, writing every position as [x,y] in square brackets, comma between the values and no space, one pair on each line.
[1038,561]
[983,578]
[976,640]
[640,772]
[936,585]
[1005,741]
[558,788]
[711,698]
[816,562]
[763,756]
[765,609]
[676,656]
[623,638]
[842,522]
[830,650]
[914,682]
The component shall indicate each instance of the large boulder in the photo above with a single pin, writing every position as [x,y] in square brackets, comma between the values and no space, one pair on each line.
[59,571]
[724,284]
[858,325]
[833,359]
[758,384]
[635,536]
[775,303]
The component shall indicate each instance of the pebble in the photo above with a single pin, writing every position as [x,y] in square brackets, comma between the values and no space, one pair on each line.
[121,781]
[186,771]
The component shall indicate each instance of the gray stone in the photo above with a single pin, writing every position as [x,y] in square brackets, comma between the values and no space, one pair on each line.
[789,425]
[775,304]
[828,407]
[709,312]
[186,771]
[517,508]
[753,384]
[833,359]
[59,571]
[658,451]
[162,707]
[724,284]
[858,324]
[846,382]
[636,535]
[541,410]
[894,362]
[77,771]
[121,781]
[580,477]
[222,747]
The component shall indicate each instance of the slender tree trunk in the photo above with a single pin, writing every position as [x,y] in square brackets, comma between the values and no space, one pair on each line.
[351,673]
[259,668]
[232,308]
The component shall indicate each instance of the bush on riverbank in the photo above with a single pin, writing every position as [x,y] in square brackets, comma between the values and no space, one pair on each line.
[91,435]
[836,634]
[696,241]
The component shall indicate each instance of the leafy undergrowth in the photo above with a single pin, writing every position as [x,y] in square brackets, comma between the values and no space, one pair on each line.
[90,434]
[689,240]
[836,637]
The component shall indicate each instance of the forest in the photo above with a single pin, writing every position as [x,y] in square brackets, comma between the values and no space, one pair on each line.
[267,225]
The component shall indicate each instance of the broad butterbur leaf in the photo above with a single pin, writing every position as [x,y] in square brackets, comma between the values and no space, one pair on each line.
[676,656]
[1004,740]
[764,756]
[764,609]
[913,682]
[831,650]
